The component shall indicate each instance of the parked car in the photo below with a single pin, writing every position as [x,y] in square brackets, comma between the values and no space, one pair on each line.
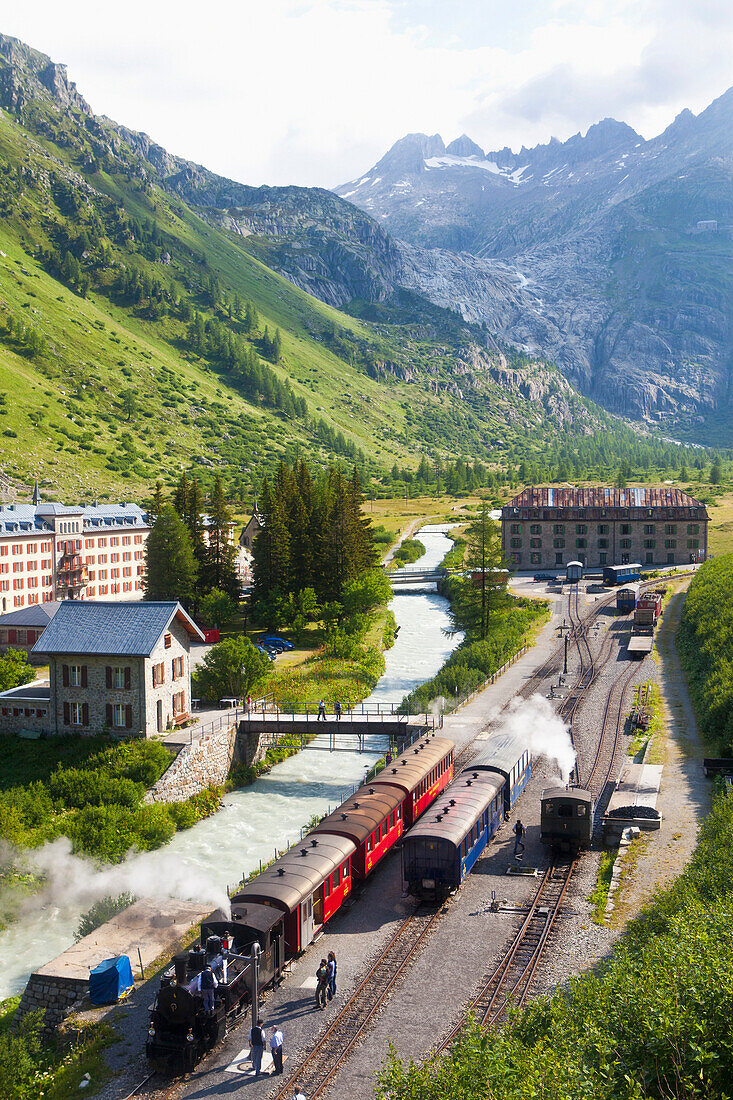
[266,652]
[273,639]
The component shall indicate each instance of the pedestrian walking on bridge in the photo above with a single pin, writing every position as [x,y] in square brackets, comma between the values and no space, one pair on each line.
[321,710]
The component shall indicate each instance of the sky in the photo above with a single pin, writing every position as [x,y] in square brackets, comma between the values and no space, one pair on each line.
[313,92]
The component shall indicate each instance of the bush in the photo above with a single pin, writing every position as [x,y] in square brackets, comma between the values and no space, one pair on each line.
[14,669]
[102,911]
[704,644]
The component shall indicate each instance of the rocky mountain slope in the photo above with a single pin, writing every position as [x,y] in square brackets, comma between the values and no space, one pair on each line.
[138,325]
[610,254]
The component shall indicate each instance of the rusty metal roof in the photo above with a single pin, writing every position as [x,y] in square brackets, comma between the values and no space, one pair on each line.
[604,497]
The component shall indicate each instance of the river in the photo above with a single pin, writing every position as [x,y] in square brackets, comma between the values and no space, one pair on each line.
[200,862]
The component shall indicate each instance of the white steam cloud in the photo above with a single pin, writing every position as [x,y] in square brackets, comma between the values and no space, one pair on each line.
[73,882]
[535,721]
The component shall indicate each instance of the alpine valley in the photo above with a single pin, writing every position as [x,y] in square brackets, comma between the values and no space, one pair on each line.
[154,315]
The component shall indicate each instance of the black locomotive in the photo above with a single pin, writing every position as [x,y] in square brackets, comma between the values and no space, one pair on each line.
[181,1031]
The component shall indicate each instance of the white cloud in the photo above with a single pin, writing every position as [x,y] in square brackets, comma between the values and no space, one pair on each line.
[313,91]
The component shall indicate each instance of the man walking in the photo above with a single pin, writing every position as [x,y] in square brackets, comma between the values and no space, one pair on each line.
[321,710]
[518,831]
[257,1046]
[337,710]
[276,1049]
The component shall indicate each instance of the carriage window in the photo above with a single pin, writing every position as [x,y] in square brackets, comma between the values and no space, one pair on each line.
[345,871]
[399,812]
[370,845]
[327,887]
[335,879]
[581,811]
[549,809]
[565,811]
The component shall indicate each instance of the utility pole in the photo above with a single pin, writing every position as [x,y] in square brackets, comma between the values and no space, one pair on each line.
[565,663]
[255,956]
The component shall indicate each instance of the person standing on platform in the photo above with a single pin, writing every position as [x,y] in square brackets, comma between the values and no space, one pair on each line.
[276,1049]
[518,831]
[321,984]
[331,967]
[257,1047]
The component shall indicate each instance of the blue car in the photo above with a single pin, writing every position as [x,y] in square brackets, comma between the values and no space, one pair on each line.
[273,640]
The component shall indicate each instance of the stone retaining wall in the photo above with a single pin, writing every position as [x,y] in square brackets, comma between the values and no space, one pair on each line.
[202,764]
[55,995]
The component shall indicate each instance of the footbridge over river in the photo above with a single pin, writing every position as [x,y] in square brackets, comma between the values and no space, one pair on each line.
[411,576]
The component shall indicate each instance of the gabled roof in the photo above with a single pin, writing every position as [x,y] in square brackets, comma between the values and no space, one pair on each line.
[38,614]
[129,629]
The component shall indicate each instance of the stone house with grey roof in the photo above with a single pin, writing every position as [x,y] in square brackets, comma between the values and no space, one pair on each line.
[115,667]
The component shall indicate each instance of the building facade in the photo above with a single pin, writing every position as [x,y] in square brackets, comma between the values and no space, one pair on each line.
[57,552]
[113,667]
[22,629]
[545,528]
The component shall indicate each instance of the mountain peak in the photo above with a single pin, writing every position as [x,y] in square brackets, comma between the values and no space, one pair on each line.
[463,146]
[410,153]
[26,74]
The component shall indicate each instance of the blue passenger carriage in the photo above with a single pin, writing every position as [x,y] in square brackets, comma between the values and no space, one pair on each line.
[440,850]
[507,755]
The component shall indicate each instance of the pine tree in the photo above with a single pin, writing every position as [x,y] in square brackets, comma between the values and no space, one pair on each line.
[157,503]
[221,570]
[170,567]
[484,555]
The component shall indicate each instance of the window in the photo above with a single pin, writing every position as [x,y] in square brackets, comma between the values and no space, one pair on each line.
[158,674]
[558,543]
[558,529]
[118,678]
[602,559]
[693,544]
[580,544]
[648,528]
[179,703]
[345,871]
[75,676]
[580,529]
[77,714]
[516,529]
[177,668]
[625,528]
[603,544]
[535,529]
[625,545]
[118,715]
[670,544]
[693,528]
[602,528]
[536,544]
[370,844]
[167,641]
[327,887]
[515,543]
[649,544]
[670,529]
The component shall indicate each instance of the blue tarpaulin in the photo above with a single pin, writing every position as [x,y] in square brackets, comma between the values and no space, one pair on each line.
[110,980]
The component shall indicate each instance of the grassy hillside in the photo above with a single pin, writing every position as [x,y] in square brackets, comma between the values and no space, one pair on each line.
[137,337]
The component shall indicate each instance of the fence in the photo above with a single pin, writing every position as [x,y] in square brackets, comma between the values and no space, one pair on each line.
[463,699]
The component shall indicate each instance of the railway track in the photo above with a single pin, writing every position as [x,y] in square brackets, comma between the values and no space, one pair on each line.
[315,1071]
[510,982]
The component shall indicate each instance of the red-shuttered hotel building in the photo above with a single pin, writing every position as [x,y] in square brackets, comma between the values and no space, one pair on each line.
[70,552]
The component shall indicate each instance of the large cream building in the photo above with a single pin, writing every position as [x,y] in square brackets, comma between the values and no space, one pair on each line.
[545,528]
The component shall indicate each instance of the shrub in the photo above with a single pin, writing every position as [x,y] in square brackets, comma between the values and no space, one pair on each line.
[102,911]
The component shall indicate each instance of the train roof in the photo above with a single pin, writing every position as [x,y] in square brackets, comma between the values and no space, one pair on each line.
[576,793]
[455,812]
[501,752]
[409,768]
[252,915]
[297,873]
[360,814]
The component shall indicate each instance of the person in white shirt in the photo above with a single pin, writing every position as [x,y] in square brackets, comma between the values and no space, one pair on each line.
[276,1049]
[298,1094]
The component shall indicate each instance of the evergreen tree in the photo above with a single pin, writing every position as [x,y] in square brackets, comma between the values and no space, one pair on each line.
[170,567]
[157,503]
[484,556]
[221,570]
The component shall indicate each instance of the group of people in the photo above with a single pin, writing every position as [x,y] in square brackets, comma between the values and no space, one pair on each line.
[257,1041]
[322,710]
[207,980]
[326,980]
